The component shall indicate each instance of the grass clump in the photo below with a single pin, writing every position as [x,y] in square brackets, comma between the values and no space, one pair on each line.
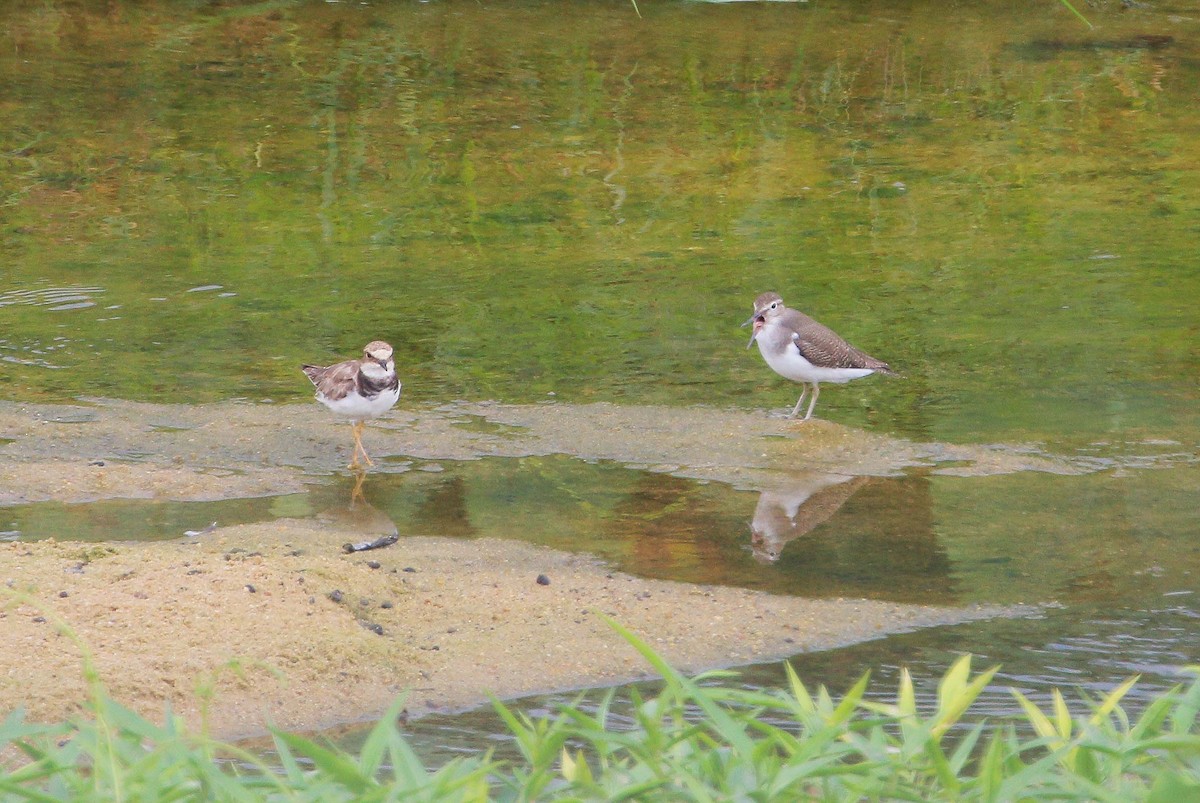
[697,739]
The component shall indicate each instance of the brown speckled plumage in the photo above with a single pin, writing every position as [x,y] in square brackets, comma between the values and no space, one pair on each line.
[334,382]
[819,344]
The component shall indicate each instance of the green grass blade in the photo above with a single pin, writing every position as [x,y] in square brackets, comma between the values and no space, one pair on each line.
[381,741]
[723,724]
[1040,722]
[1183,717]
[287,760]
[1075,11]
[962,697]
[1111,700]
[336,765]
[906,697]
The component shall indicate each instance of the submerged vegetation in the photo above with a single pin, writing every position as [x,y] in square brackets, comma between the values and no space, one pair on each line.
[698,738]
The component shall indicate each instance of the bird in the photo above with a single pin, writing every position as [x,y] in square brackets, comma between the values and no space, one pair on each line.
[358,389]
[804,351]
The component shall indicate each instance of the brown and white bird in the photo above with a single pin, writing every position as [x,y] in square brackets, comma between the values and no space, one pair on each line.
[358,389]
[804,351]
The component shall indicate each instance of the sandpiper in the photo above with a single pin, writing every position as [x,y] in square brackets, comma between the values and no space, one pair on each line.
[358,389]
[804,351]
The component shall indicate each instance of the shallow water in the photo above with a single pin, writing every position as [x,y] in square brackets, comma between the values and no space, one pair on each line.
[995,199]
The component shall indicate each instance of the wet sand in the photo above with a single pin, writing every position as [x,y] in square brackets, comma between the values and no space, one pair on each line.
[288,628]
[284,626]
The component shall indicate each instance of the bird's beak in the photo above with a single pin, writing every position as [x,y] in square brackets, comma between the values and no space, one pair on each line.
[753,319]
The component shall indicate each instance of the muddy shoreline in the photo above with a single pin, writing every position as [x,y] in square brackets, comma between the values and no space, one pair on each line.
[285,627]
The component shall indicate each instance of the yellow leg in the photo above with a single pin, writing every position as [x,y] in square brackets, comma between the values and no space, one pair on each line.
[358,447]
[354,457]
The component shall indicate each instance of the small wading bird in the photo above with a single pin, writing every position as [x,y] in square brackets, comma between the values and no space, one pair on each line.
[804,351]
[358,389]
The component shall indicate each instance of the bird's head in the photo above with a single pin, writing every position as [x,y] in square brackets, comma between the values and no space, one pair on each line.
[767,307]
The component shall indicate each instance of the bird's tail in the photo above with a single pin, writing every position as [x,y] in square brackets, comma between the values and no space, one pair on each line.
[313,372]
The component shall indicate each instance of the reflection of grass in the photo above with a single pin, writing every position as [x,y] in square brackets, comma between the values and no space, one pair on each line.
[698,739]
[393,160]
[1075,11]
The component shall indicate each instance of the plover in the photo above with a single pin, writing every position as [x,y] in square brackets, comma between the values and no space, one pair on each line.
[358,389]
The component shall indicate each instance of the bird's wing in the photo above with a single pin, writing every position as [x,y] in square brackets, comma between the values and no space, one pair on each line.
[335,381]
[824,347]
[827,350]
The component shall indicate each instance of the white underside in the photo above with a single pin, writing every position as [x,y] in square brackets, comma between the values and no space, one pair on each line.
[788,363]
[357,408]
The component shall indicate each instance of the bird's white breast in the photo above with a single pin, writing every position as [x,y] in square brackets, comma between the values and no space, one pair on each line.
[788,362]
[356,407]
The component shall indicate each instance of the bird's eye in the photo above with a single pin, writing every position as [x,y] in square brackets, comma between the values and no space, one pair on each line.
[774,304]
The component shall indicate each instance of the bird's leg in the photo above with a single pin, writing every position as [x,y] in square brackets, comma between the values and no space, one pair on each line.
[358,446]
[361,426]
[800,401]
[813,403]
[354,465]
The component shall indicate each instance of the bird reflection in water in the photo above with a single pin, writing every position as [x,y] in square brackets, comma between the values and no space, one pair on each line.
[359,516]
[795,507]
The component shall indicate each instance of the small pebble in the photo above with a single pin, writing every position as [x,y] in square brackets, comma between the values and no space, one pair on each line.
[410,569]
[543,580]
[63,595]
[335,595]
[385,604]
[96,463]
[373,564]
[374,628]
[251,588]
